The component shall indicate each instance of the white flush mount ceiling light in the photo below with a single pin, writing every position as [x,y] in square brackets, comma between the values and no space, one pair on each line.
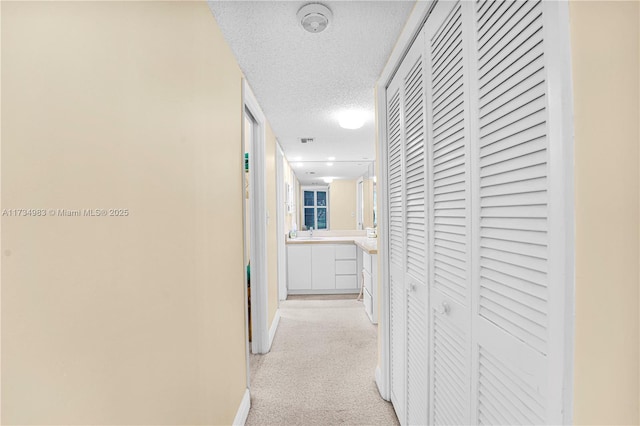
[352,119]
[329,164]
[314,17]
[328,179]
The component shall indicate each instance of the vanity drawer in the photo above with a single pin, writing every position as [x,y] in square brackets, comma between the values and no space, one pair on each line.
[367,281]
[368,304]
[366,261]
[344,251]
[345,267]
[347,282]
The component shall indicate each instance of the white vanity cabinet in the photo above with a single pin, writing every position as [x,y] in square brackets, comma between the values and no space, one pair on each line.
[319,268]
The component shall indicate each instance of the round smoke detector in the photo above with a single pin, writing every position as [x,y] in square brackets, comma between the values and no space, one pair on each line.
[314,17]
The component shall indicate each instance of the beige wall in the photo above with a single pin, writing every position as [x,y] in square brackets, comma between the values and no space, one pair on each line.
[121,320]
[272,224]
[605,39]
[342,205]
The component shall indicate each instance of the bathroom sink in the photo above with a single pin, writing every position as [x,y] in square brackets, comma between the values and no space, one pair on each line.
[310,238]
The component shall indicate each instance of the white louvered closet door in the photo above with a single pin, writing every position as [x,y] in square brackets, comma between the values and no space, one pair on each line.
[408,231]
[516,292]
[450,210]
[478,250]
[416,234]
[397,326]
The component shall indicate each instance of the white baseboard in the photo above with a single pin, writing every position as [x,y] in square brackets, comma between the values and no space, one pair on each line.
[274,327]
[381,386]
[243,410]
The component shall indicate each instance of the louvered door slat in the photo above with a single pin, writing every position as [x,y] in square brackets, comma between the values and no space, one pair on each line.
[415,173]
[491,23]
[520,402]
[449,373]
[397,333]
[396,230]
[504,34]
[492,9]
[417,361]
[512,77]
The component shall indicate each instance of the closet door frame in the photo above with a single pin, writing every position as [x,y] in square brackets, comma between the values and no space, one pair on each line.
[561,197]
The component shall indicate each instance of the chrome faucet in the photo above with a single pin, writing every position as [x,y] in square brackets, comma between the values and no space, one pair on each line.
[311,232]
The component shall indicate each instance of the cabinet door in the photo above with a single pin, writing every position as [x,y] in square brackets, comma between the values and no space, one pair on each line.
[323,267]
[299,267]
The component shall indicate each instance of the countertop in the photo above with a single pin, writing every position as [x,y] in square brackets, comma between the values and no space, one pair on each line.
[370,245]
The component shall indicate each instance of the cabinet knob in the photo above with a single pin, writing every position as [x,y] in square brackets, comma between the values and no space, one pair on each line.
[444,308]
[412,287]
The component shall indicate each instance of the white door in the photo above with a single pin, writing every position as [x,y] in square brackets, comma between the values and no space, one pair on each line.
[397,324]
[416,234]
[519,285]
[449,237]
[497,275]
[408,230]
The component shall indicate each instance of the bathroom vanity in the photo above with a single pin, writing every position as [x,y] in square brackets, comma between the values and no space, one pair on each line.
[334,265]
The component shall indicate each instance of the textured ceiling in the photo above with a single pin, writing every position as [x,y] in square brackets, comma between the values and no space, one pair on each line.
[303,80]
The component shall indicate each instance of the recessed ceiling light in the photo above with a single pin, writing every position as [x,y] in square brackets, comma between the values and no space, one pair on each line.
[352,119]
[298,164]
[331,158]
[329,164]
[328,179]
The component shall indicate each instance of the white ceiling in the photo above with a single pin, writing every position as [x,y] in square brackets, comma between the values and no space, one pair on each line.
[302,80]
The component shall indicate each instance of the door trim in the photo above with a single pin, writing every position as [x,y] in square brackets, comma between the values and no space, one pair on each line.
[561,197]
[360,203]
[258,219]
[280,226]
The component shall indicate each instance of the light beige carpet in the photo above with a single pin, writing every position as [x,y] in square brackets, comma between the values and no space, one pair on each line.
[320,370]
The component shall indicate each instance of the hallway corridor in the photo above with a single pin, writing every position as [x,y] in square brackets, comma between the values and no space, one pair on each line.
[320,369]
